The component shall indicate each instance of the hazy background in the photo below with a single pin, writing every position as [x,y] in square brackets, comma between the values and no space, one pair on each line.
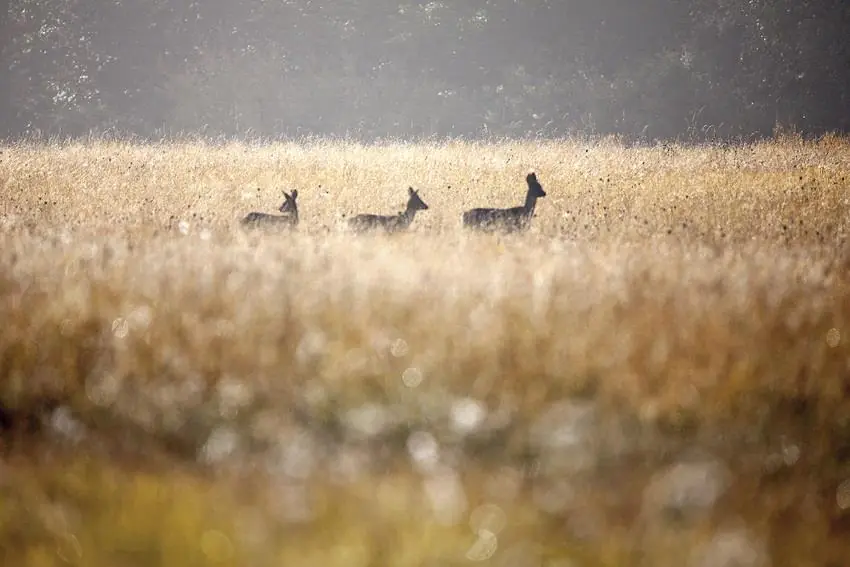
[378,68]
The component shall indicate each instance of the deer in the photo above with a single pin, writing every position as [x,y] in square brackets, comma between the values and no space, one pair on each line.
[515,219]
[390,223]
[289,218]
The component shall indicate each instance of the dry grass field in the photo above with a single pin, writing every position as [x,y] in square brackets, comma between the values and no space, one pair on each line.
[657,373]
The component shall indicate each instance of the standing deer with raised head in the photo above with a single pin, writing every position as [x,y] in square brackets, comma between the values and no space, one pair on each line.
[289,218]
[514,219]
[390,223]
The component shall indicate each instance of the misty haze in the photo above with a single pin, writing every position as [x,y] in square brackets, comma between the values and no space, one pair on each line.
[245,68]
[544,283]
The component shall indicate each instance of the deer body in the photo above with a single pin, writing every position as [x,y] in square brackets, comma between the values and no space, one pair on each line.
[514,219]
[390,223]
[289,218]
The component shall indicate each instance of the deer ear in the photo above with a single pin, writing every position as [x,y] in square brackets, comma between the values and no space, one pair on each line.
[411,191]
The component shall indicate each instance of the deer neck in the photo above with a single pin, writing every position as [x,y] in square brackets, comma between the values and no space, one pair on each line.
[407,216]
[530,202]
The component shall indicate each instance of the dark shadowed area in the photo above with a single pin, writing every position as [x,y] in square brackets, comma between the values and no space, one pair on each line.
[647,70]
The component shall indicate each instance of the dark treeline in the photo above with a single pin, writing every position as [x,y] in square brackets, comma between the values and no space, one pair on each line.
[645,69]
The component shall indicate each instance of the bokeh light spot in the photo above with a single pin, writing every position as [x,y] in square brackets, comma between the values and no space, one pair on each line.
[833,337]
[216,546]
[411,377]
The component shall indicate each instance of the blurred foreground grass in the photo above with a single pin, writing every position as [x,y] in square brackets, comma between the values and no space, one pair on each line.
[657,374]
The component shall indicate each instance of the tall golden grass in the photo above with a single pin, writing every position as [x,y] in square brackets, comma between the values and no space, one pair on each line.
[674,298]
[599,189]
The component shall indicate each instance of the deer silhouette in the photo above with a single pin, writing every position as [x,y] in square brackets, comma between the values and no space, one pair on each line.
[289,218]
[514,219]
[390,223]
